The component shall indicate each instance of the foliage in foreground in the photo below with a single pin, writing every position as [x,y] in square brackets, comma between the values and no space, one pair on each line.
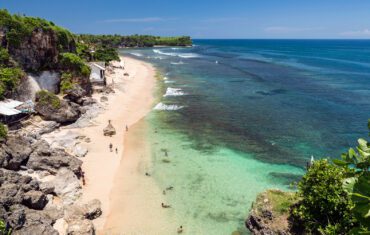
[324,206]
[3,230]
[356,163]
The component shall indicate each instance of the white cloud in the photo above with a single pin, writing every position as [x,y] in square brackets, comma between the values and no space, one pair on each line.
[282,29]
[134,20]
[359,33]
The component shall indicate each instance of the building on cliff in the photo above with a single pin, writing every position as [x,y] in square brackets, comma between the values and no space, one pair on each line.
[97,75]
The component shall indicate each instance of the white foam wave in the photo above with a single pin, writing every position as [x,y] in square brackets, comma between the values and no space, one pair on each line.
[168,107]
[136,54]
[174,92]
[177,63]
[167,81]
[182,55]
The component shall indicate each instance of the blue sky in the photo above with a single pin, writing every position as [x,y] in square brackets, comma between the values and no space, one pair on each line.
[206,18]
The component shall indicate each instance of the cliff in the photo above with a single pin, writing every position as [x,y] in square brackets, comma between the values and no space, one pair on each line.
[270,213]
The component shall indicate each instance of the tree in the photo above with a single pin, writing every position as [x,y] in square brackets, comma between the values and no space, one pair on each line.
[357,183]
[324,206]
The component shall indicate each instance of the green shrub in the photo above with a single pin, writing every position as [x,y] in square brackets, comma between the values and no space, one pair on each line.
[324,204]
[44,97]
[106,54]
[9,79]
[4,57]
[66,82]
[73,63]
[3,131]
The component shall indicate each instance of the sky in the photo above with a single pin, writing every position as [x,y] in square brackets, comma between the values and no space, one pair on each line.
[294,19]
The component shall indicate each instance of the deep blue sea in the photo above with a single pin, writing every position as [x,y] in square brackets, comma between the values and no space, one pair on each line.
[240,116]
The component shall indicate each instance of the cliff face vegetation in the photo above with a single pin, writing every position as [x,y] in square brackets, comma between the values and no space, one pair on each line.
[33,45]
[33,42]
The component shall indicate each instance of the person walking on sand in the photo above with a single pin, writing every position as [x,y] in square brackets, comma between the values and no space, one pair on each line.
[111,147]
[83,178]
[126,128]
[180,229]
[116,150]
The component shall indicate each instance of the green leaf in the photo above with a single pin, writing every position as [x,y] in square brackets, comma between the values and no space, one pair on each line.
[349,183]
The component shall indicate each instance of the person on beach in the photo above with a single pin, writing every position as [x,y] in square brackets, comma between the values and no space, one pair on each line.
[164,192]
[165,206]
[180,229]
[126,128]
[83,178]
[111,147]
[147,174]
[116,150]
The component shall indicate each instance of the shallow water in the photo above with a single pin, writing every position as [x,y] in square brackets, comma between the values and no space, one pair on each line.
[241,116]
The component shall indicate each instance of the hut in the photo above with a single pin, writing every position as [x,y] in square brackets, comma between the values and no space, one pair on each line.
[12,111]
[97,75]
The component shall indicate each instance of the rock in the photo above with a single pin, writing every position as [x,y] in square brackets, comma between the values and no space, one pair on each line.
[47,187]
[15,152]
[35,200]
[109,130]
[103,99]
[67,186]
[39,229]
[65,113]
[88,101]
[93,209]
[80,151]
[46,159]
[48,127]
[75,94]
[17,216]
[126,74]
[10,194]
[81,227]
[74,212]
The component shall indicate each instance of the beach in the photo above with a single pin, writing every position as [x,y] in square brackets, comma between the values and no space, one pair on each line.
[132,100]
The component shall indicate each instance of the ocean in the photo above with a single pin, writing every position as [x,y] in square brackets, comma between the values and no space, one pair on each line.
[236,117]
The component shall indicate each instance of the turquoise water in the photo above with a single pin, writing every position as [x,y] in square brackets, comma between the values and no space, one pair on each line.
[240,116]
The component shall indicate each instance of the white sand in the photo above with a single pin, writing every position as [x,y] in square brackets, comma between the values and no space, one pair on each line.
[131,102]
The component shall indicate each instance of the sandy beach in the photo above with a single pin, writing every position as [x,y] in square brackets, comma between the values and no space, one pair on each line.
[132,100]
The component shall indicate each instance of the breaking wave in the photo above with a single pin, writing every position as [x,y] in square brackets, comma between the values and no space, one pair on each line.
[168,107]
[174,92]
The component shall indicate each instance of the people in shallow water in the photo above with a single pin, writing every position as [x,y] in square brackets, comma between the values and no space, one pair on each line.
[165,205]
[169,188]
[180,229]
[147,174]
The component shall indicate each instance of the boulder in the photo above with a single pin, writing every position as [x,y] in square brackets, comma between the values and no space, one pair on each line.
[35,200]
[80,151]
[103,99]
[109,130]
[51,160]
[81,227]
[75,94]
[65,113]
[67,186]
[88,101]
[47,187]
[16,217]
[14,152]
[37,222]
[93,209]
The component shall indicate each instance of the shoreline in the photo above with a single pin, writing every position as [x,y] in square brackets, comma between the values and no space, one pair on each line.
[133,100]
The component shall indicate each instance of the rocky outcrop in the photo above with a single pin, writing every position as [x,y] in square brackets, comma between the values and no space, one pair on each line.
[65,112]
[44,158]
[270,212]
[39,50]
[75,94]
[67,186]
[14,152]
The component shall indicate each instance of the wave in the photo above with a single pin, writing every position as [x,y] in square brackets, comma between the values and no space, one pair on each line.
[182,55]
[168,107]
[174,92]
[136,54]
[177,63]
[167,81]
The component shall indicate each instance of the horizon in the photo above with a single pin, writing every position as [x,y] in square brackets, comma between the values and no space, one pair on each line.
[332,19]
